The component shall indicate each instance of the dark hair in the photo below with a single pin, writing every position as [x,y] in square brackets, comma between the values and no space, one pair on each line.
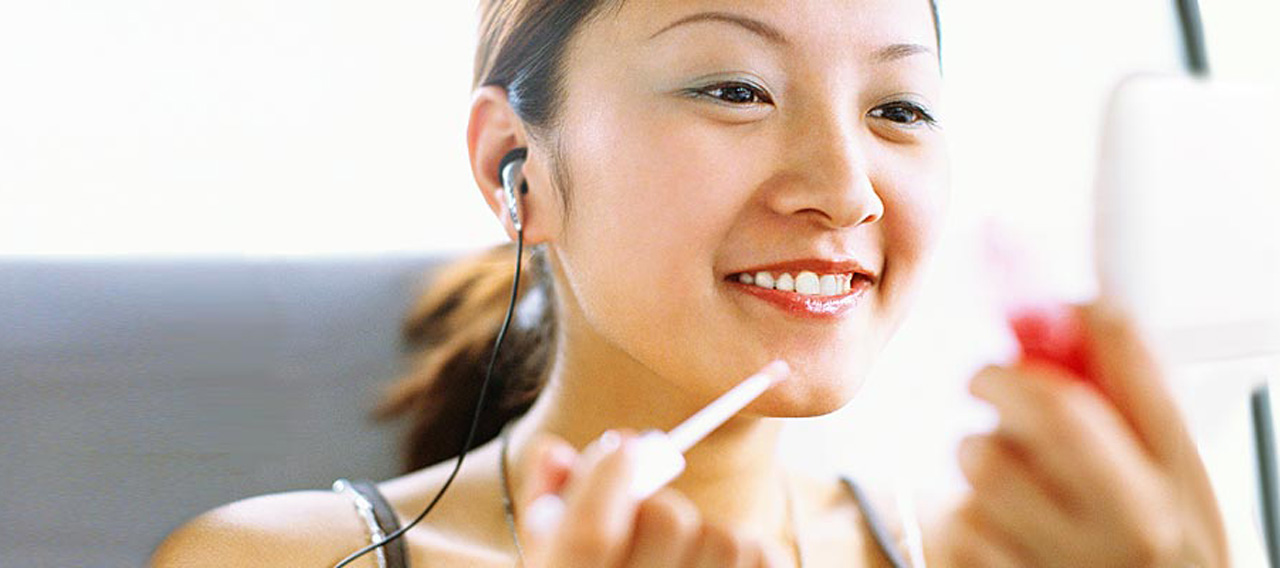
[448,334]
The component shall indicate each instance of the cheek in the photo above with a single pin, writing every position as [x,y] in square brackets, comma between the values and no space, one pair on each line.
[651,206]
[915,210]
[670,185]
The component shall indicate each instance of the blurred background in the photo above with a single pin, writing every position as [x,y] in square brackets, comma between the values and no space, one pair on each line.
[213,215]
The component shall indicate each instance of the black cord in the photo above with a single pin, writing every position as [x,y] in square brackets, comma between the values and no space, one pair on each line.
[1264,438]
[475,420]
[1193,37]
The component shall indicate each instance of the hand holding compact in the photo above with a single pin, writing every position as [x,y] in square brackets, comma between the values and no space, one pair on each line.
[1095,470]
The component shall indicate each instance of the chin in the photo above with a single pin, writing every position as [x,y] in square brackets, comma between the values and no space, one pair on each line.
[806,396]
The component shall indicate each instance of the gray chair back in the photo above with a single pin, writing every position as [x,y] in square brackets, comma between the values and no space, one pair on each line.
[137,393]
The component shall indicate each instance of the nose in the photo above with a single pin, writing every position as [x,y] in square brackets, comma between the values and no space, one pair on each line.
[830,172]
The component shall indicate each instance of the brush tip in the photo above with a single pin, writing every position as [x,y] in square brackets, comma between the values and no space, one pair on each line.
[777,370]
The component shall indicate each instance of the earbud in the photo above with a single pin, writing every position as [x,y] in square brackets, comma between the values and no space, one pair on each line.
[511,173]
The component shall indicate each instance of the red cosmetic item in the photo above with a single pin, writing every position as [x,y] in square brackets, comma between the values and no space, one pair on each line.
[1053,334]
[1048,331]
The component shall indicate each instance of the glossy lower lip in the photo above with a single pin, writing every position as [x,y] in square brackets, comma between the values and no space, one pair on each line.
[804,306]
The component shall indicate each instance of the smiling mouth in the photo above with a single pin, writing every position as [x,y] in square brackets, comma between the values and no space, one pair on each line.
[805,294]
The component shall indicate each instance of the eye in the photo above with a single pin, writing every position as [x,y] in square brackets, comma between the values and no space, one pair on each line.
[904,113]
[734,93]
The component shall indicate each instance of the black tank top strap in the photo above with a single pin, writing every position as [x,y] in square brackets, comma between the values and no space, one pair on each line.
[386,518]
[879,531]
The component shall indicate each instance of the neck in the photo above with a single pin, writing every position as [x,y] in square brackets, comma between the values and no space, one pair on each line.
[732,475]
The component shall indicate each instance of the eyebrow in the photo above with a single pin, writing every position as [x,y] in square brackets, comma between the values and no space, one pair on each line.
[775,36]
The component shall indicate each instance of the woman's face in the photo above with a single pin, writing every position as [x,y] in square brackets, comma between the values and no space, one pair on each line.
[702,150]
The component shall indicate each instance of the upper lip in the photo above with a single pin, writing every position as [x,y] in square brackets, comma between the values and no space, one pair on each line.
[816,265]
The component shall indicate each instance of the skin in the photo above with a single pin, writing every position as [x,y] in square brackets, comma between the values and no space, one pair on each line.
[670,194]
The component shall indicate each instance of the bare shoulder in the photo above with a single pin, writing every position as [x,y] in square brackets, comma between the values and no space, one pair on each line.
[295,528]
[320,528]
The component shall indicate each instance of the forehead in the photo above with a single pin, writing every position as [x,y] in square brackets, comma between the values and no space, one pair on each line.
[831,28]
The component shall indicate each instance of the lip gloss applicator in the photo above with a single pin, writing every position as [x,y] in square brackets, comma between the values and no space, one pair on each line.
[660,455]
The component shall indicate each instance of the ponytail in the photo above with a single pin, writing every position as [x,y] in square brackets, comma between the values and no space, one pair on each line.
[447,338]
[448,335]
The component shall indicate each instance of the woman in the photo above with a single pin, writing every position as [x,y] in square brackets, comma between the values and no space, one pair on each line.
[683,157]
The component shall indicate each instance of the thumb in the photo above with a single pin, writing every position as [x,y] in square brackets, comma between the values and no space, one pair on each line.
[1131,375]
[539,507]
[1126,369]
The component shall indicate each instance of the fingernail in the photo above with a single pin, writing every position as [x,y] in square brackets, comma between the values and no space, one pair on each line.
[609,441]
[627,448]
[560,456]
[544,514]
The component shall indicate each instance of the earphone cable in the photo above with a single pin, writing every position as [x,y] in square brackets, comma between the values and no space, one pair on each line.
[1193,44]
[475,420]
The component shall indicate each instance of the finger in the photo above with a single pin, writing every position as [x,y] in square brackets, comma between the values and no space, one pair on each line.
[1073,438]
[1130,374]
[1007,494]
[1118,490]
[667,526]
[720,547]
[538,507]
[538,525]
[972,542]
[1035,415]
[548,468]
[599,510]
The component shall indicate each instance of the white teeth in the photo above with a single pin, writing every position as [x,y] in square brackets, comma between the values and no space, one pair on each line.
[807,284]
[828,285]
[785,283]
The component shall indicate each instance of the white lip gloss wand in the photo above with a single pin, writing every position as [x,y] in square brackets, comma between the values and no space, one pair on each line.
[660,455]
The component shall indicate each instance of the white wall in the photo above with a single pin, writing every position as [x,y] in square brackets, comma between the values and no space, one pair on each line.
[286,126]
[243,126]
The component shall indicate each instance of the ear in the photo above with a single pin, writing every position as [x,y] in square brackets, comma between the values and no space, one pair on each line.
[493,130]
